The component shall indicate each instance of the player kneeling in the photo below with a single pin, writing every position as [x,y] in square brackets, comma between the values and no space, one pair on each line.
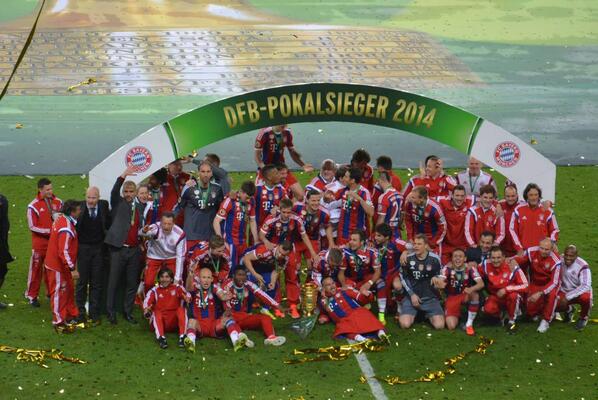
[461,284]
[205,312]
[164,306]
[420,277]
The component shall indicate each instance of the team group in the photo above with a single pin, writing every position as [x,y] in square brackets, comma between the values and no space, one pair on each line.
[206,260]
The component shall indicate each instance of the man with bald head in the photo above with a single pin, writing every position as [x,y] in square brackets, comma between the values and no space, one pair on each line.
[92,225]
[473,178]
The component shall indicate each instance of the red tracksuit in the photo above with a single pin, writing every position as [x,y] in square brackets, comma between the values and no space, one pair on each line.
[545,277]
[60,262]
[479,220]
[507,244]
[345,309]
[442,186]
[513,281]
[455,227]
[529,225]
[171,194]
[167,305]
[39,218]
[241,302]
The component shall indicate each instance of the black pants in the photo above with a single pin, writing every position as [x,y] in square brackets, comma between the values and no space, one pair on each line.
[90,264]
[124,264]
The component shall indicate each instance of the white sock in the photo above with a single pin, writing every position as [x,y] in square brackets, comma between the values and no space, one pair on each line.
[382,306]
[234,336]
[191,336]
[381,332]
[470,317]
[511,321]
[359,338]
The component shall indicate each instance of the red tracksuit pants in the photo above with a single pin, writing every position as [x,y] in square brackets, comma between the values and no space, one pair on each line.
[62,296]
[37,272]
[509,302]
[545,305]
[254,322]
[169,321]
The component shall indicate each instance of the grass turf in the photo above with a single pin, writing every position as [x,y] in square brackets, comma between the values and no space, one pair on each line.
[125,362]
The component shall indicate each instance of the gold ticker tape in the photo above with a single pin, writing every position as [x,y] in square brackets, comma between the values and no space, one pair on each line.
[87,81]
[436,376]
[39,356]
[337,353]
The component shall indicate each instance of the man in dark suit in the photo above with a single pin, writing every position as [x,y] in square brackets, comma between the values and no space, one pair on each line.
[127,217]
[5,256]
[92,225]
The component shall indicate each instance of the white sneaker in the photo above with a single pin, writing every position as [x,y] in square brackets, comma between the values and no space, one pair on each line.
[543,327]
[275,341]
[248,342]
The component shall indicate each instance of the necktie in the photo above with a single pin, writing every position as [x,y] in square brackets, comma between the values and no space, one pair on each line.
[93,212]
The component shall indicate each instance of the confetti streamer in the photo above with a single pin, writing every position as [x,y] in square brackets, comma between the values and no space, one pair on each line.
[337,353]
[436,376]
[39,357]
[87,81]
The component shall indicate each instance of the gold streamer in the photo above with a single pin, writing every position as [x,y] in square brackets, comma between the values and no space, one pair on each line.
[436,376]
[70,328]
[337,353]
[39,356]
[87,81]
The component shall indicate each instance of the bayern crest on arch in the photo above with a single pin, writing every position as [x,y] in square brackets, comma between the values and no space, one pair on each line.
[138,157]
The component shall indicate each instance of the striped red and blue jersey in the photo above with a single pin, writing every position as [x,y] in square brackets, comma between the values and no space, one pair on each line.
[244,296]
[352,214]
[389,206]
[342,304]
[272,145]
[360,264]
[427,219]
[277,230]
[317,183]
[459,279]
[236,216]
[264,199]
[201,254]
[323,269]
[389,256]
[205,304]
[313,222]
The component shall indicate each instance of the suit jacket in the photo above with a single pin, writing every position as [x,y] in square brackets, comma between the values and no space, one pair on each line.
[103,212]
[121,214]
[5,256]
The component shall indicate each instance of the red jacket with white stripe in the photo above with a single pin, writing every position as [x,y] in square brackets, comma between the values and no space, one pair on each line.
[39,218]
[529,225]
[512,280]
[544,272]
[63,245]
[479,220]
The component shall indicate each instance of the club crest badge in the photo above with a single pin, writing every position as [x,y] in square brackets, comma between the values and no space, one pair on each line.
[138,157]
[507,154]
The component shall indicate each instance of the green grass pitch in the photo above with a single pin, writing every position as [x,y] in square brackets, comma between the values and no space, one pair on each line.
[125,362]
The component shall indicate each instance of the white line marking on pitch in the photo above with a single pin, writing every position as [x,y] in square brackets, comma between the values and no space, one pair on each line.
[368,372]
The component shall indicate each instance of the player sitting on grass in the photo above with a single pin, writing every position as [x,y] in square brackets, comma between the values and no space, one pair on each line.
[205,311]
[164,306]
[241,294]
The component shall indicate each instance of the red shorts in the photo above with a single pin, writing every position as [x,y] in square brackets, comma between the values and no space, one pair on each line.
[211,328]
[452,304]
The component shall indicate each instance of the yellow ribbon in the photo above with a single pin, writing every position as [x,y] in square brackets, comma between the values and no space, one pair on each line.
[39,356]
[87,81]
[436,376]
[337,353]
